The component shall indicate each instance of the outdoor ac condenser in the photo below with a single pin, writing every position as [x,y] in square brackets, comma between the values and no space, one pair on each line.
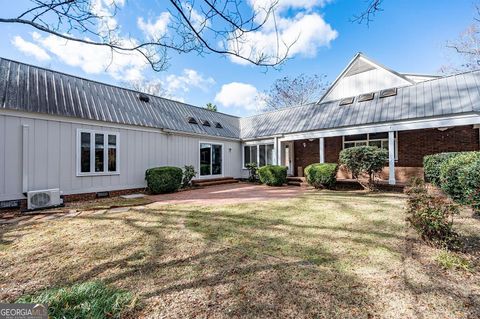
[44,198]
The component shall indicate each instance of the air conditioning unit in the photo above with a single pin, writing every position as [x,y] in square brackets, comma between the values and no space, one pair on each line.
[44,199]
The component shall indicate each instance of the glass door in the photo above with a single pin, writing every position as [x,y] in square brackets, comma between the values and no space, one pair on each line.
[211,159]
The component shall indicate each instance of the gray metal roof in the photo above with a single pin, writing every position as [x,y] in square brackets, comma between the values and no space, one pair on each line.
[29,88]
[457,94]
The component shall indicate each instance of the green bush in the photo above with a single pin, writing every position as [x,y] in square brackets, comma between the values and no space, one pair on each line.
[252,172]
[273,175]
[165,179]
[188,174]
[432,164]
[431,215]
[86,300]
[450,171]
[469,178]
[321,175]
[368,160]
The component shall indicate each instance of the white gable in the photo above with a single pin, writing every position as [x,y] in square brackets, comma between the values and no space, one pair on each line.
[361,76]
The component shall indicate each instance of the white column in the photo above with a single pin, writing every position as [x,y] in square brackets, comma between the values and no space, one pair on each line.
[279,152]
[322,149]
[275,151]
[391,158]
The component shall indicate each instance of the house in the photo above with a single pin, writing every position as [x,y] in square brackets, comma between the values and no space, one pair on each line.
[85,137]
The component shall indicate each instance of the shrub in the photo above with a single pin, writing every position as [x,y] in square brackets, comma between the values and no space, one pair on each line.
[450,260]
[450,174]
[273,175]
[368,160]
[321,175]
[165,179]
[432,164]
[86,300]
[252,172]
[431,215]
[188,174]
[469,178]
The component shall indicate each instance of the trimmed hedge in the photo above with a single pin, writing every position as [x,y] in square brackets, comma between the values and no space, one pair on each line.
[450,175]
[166,179]
[469,177]
[322,175]
[431,166]
[273,175]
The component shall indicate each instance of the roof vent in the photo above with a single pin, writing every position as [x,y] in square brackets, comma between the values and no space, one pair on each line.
[348,100]
[218,125]
[192,120]
[205,123]
[143,97]
[366,97]
[388,92]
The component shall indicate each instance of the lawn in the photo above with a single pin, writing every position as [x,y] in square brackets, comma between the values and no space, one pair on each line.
[324,254]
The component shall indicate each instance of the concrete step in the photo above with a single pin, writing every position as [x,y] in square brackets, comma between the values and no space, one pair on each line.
[214,181]
[296,179]
[296,183]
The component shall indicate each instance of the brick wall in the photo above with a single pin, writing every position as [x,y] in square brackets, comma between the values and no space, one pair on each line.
[306,152]
[414,145]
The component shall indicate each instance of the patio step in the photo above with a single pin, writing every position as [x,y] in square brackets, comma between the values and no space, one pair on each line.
[214,181]
[297,181]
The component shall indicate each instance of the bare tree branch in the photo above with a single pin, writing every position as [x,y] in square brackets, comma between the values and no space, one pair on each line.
[369,13]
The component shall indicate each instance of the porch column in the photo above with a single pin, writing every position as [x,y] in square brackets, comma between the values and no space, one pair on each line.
[322,149]
[391,158]
[276,159]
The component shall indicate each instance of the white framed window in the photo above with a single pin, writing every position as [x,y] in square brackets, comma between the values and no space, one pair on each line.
[97,153]
[379,140]
[260,154]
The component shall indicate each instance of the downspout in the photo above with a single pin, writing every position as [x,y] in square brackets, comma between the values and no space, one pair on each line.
[25,157]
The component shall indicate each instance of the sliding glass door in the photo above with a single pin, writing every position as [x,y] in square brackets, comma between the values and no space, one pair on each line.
[211,159]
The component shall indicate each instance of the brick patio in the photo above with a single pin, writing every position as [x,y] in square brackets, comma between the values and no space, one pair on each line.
[228,194]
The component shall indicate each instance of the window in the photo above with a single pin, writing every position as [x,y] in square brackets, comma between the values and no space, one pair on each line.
[261,155]
[98,153]
[211,159]
[379,140]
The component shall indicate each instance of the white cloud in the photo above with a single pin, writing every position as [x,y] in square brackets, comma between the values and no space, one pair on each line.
[285,33]
[188,79]
[94,59]
[241,96]
[156,30]
[30,48]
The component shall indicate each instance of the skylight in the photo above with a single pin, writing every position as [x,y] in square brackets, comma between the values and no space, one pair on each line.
[388,92]
[205,123]
[218,125]
[143,97]
[366,97]
[348,100]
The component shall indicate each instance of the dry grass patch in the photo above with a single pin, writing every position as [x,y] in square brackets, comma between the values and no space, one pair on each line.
[325,254]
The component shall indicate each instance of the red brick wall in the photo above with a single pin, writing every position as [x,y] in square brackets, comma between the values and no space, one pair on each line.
[333,147]
[414,145]
[305,155]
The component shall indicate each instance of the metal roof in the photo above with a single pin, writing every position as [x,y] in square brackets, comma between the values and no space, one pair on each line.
[32,89]
[451,95]
[29,88]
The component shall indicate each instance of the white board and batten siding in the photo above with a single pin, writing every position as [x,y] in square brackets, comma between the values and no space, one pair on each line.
[52,155]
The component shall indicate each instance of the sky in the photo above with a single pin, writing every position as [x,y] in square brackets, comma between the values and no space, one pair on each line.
[408,36]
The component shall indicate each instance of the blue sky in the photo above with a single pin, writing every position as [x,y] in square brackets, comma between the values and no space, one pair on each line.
[408,36]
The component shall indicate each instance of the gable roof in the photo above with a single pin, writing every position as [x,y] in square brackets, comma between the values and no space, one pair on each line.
[29,88]
[359,64]
[451,95]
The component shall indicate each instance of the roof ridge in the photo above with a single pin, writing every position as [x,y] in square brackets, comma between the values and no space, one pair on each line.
[114,86]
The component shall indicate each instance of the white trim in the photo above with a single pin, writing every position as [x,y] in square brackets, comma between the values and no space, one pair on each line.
[477,126]
[391,158]
[92,133]
[275,151]
[25,157]
[387,127]
[200,176]
[321,148]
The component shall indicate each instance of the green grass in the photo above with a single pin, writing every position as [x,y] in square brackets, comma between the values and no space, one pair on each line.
[92,300]
[450,260]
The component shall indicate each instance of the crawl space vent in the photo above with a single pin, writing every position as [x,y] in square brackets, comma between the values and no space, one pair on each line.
[192,120]
[143,97]
[388,92]
[366,97]
[347,101]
